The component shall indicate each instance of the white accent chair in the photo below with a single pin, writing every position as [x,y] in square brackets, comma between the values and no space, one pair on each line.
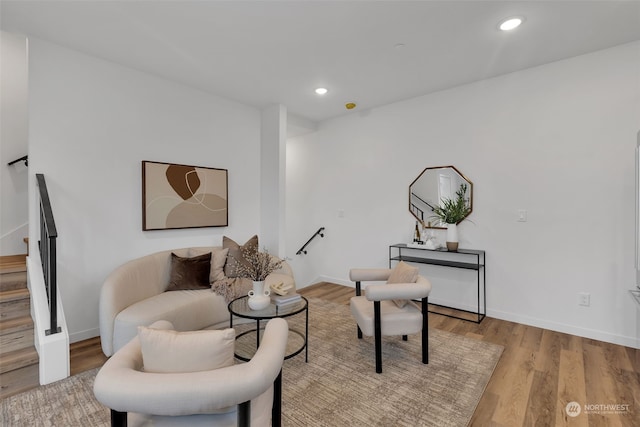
[377,314]
[138,398]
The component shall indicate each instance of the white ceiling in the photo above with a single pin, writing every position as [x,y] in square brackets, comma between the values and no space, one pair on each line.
[265,52]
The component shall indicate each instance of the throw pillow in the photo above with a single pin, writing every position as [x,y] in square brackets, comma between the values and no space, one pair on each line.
[236,254]
[167,351]
[218,260]
[402,273]
[189,273]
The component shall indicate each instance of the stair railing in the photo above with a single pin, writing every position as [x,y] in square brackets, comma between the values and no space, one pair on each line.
[24,159]
[417,211]
[317,233]
[47,244]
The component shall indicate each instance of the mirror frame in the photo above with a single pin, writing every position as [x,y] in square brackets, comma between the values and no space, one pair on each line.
[424,224]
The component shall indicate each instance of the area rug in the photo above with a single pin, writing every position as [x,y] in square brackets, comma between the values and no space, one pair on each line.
[337,387]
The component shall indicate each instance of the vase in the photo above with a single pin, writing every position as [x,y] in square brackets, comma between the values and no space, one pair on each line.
[452,237]
[258,297]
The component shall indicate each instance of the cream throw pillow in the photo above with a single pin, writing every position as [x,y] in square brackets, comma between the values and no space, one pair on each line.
[403,273]
[167,351]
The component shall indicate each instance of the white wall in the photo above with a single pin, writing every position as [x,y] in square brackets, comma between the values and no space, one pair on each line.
[92,122]
[272,179]
[13,143]
[556,140]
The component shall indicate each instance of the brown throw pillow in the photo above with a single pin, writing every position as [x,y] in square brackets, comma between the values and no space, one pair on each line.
[236,254]
[189,273]
[218,260]
[403,273]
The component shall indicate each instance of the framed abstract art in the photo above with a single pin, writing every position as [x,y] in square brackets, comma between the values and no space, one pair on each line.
[181,196]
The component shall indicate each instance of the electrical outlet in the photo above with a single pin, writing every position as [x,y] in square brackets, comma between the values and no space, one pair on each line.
[584,299]
[522,215]
[340,213]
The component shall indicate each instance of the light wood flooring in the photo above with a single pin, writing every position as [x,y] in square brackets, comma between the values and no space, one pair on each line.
[539,373]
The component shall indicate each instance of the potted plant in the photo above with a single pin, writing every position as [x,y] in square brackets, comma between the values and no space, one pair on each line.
[451,212]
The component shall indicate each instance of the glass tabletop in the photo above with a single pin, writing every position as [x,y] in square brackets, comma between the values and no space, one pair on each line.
[240,307]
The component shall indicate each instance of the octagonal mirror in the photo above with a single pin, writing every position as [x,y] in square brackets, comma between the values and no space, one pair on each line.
[434,186]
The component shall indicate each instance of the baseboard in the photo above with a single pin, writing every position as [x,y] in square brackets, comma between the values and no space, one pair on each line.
[335,280]
[83,335]
[546,324]
[454,304]
[567,329]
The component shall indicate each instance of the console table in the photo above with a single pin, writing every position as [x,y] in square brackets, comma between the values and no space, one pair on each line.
[468,259]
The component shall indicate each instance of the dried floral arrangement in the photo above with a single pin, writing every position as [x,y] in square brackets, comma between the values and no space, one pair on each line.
[257,265]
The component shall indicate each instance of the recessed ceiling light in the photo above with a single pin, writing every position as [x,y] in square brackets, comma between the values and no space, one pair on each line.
[321,91]
[511,23]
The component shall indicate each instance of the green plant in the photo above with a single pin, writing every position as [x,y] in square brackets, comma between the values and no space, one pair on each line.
[452,211]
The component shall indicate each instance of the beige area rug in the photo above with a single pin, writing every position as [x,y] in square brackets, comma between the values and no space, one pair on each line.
[337,387]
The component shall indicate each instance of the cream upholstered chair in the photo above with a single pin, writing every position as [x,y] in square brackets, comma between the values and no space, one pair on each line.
[387,310]
[240,394]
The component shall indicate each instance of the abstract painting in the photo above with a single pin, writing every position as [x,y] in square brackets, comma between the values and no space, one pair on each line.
[180,196]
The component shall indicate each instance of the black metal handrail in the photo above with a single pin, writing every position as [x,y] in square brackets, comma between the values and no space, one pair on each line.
[24,159]
[417,211]
[317,233]
[422,200]
[47,244]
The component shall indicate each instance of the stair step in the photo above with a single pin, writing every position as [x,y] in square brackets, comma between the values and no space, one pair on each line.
[14,295]
[14,303]
[17,324]
[13,280]
[16,340]
[19,380]
[13,268]
[12,263]
[18,359]
[13,272]
[19,370]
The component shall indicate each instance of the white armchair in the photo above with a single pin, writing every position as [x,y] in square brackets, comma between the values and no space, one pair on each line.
[379,314]
[194,398]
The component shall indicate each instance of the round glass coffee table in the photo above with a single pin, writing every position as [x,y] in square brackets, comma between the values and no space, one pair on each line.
[248,335]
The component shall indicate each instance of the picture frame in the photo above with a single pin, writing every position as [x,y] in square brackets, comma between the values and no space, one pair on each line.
[178,196]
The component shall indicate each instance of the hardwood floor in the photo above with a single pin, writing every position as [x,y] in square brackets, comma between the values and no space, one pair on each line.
[86,355]
[539,373]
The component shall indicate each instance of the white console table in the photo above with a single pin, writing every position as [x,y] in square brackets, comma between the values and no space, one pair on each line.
[468,259]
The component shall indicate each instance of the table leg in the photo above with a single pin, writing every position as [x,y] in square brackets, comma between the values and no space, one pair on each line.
[257,334]
[276,409]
